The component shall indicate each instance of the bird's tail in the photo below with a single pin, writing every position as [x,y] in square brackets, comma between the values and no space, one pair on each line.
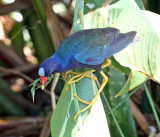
[120,41]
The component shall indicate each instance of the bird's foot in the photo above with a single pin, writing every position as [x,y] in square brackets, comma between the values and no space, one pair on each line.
[79,74]
[80,100]
[90,104]
[70,72]
[78,77]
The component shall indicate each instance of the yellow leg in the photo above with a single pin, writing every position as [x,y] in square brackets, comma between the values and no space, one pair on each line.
[70,72]
[79,76]
[104,82]
[83,74]
[69,82]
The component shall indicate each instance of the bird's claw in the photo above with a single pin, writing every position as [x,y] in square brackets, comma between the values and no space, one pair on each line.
[77,77]
[66,75]
[90,105]
[94,78]
[67,85]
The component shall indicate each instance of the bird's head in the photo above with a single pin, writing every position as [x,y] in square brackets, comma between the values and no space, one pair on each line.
[41,73]
[46,68]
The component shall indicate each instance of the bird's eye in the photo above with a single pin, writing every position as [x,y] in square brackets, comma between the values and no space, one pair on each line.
[46,73]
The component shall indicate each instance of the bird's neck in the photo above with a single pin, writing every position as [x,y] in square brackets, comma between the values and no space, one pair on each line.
[57,63]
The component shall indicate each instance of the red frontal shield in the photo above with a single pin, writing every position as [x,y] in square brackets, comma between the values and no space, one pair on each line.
[43,81]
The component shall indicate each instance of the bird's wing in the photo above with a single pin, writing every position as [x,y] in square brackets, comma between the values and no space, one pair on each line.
[99,44]
[93,44]
[91,56]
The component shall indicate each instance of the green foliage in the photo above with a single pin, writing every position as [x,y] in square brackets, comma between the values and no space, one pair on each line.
[36,84]
[40,10]
[62,121]
[136,79]
[140,4]
[40,41]
[123,114]
[17,38]
[90,20]
[119,67]
[7,105]
[152,106]
[141,55]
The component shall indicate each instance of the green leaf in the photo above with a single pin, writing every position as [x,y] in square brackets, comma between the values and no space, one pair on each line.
[121,68]
[140,4]
[123,114]
[7,105]
[40,10]
[137,79]
[62,121]
[17,38]
[40,40]
[144,54]
[33,92]
[35,85]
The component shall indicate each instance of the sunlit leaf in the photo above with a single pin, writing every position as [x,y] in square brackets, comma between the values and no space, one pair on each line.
[62,121]
[144,54]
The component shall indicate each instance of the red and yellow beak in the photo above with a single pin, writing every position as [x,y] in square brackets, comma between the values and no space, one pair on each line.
[43,81]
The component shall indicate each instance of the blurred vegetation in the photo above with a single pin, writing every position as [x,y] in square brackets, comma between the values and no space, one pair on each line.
[31,31]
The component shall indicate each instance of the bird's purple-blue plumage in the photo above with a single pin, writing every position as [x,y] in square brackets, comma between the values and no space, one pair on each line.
[87,49]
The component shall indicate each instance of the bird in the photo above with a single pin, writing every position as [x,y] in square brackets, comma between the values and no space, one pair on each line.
[91,49]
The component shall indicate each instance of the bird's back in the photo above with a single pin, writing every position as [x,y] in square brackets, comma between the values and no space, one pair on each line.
[93,46]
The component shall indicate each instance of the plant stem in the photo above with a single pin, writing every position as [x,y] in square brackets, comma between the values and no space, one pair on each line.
[109,107]
[76,12]
[152,106]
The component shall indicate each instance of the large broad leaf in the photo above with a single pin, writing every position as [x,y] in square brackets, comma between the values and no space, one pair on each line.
[144,54]
[62,121]
[126,15]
